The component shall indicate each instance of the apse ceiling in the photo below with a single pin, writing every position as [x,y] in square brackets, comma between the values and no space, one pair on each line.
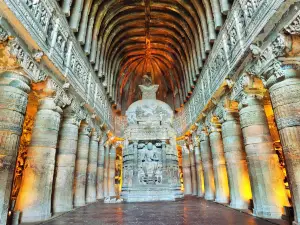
[126,39]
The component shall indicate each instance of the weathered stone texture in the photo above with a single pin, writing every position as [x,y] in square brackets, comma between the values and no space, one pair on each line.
[65,163]
[285,96]
[199,167]
[209,183]
[266,177]
[100,170]
[34,199]
[237,169]
[92,169]
[220,171]
[111,171]
[14,90]
[186,167]
[81,164]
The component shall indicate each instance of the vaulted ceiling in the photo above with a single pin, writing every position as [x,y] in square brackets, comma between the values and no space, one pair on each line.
[125,39]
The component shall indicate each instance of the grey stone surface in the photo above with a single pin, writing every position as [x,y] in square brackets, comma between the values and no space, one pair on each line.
[189,211]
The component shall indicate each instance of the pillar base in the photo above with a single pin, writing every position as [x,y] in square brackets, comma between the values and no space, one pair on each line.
[62,209]
[239,205]
[200,196]
[88,201]
[268,212]
[209,197]
[222,200]
[79,204]
[34,218]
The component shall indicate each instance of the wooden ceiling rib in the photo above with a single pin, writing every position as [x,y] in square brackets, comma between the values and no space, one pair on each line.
[125,39]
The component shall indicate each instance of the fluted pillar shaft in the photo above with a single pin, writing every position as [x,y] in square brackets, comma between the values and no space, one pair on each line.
[111,171]
[266,177]
[220,171]
[237,168]
[81,164]
[193,171]
[106,164]
[34,199]
[209,182]
[100,170]
[14,90]
[285,97]
[92,169]
[186,167]
[199,168]
[65,163]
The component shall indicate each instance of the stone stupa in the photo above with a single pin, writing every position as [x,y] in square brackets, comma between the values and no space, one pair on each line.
[150,158]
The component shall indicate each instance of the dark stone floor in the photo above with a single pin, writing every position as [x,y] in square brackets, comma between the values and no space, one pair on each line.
[187,212]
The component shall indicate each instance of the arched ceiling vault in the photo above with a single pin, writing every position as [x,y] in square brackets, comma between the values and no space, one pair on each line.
[125,39]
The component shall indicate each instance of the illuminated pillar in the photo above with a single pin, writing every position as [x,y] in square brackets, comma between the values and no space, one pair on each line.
[106,164]
[14,89]
[100,169]
[111,171]
[65,162]
[34,199]
[193,171]
[209,183]
[199,167]
[81,164]
[220,171]
[285,97]
[92,169]
[186,167]
[266,177]
[235,155]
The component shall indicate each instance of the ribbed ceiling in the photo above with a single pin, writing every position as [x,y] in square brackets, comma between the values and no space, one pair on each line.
[126,39]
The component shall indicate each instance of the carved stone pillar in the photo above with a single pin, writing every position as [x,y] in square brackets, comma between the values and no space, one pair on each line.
[34,199]
[220,171]
[81,164]
[199,167]
[209,183]
[266,178]
[100,169]
[14,89]
[65,162]
[186,167]
[92,168]
[111,171]
[193,171]
[285,97]
[235,155]
[106,164]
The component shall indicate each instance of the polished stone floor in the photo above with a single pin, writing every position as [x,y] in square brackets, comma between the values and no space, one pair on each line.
[187,212]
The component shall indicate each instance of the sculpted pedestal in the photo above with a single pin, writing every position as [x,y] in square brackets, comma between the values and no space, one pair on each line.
[209,183]
[235,155]
[34,199]
[14,89]
[220,171]
[65,163]
[92,169]
[266,177]
[81,164]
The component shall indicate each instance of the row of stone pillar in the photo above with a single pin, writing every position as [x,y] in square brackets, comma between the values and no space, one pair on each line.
[66,165]
[237,162]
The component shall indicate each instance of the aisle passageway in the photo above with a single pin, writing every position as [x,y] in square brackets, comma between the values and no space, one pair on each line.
[190,211]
